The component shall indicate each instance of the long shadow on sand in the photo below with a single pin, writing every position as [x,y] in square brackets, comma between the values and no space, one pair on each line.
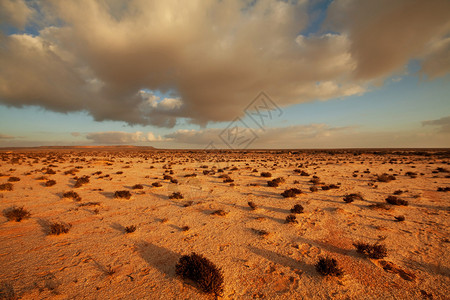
[163,259]
[284,260]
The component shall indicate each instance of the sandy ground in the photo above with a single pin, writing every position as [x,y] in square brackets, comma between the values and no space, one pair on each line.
[97,259]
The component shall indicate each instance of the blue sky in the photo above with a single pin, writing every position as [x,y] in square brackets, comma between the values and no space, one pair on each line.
[334,90]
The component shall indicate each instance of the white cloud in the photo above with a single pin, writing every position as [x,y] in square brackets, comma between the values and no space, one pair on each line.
[121,137]
[215,56]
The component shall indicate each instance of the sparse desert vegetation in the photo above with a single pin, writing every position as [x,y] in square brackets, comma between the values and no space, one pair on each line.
[221,205]
[16,213]
[202,271]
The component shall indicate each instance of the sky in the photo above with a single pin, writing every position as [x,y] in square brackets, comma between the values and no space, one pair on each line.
[229,74]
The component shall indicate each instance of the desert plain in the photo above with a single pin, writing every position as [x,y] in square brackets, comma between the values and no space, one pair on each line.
[260,254]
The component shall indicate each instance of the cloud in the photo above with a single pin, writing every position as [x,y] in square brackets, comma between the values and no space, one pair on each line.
[14,12]
[386,34]
[209,58]
[6,137]
[291,136]
[121,137]
[442,123]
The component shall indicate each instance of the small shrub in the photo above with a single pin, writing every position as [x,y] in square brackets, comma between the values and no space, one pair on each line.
[385,177]
[202,271]
[276,182]
[375,251]
[313,189]
[6,187]
[266,174]
[176,195]
[130,229]
[252,205]
[400,218]
[219,212]
[261,232]
[315,180]
[185,228]
[228,179]
[50,183]
[443,189]
[189,203]
[50,172]
[137,187]
[82,180]
[394,200]
[156,184]
[291,219]
[352,197]
[297,209]
[73,195]
[398,192]
[291,193]
[13,179]
[58,228]
[122,194]
[327,266]
[16,214]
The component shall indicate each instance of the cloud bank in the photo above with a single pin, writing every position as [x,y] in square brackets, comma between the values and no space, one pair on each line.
[115,59]
[121,137]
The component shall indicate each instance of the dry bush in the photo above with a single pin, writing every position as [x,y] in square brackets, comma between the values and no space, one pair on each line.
[396,201]
[385,177]
[276,182]
[443,189]
[137,187]
[400,218]
[313,189]
[50,183]
[185,228]
[266,174]
[6,187]
[57,228]
[82,180]
[202,271]
[219,212]
[297,209]
[291,219]
[375,251]
[228,180]
[315,180]
[122,194]
[189,203]
[130,229]
[156,184]
[73,195]
[50,171]
[16,214]
[327,266]
[252,205]
[291,193]
[352,197]
[176,195]
[13,179]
